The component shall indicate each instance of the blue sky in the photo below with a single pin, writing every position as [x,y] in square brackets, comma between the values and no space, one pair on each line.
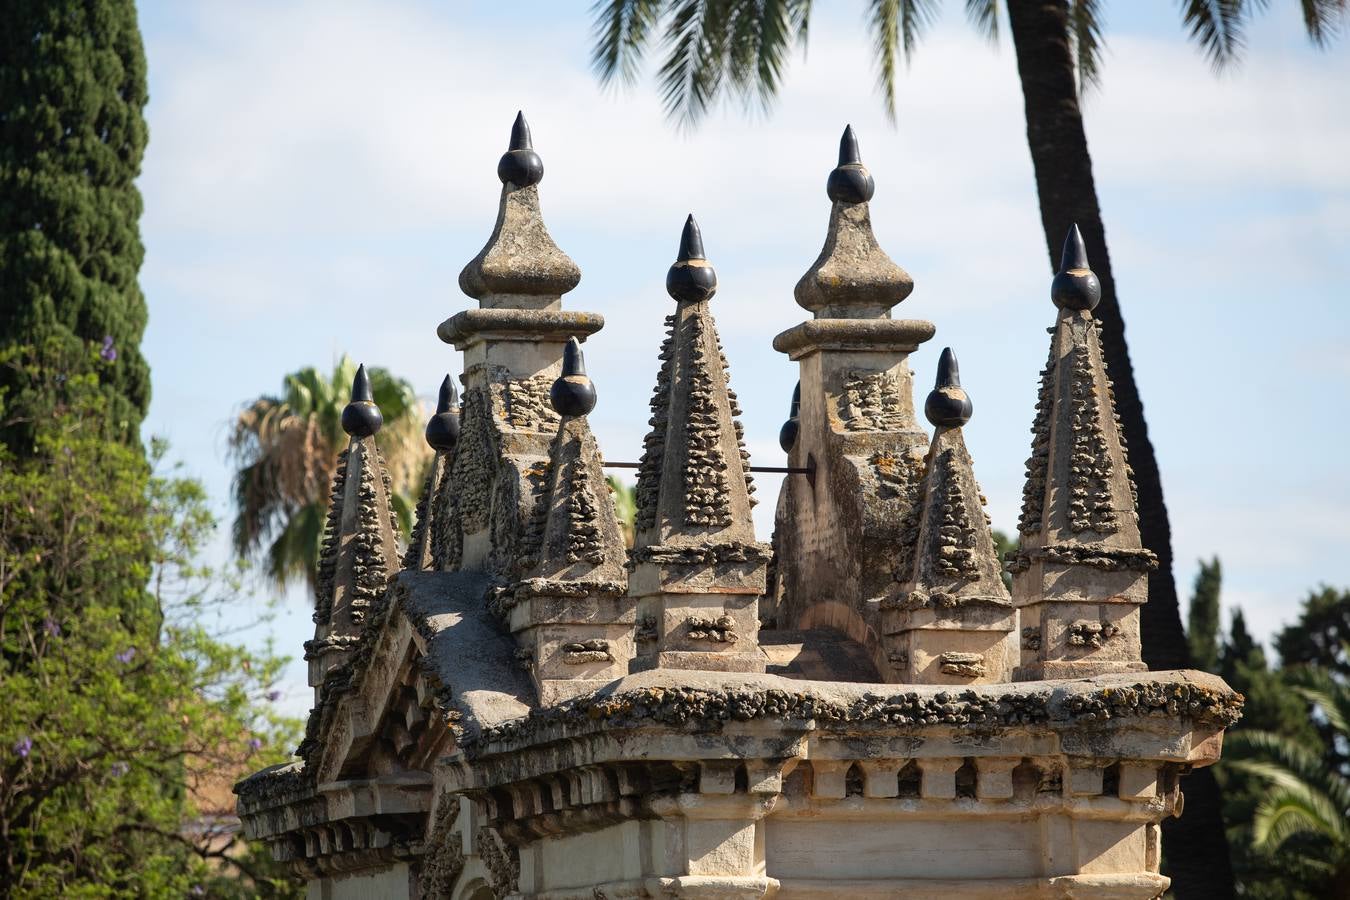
[319,172]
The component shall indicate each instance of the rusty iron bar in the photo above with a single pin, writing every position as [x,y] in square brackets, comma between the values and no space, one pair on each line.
[781,470]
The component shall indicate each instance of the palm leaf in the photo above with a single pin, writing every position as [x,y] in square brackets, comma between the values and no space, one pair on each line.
[1085,35]
[1322,19]
[1291,810]
[983,15]
[622,29]
[1216,25]
[896,28]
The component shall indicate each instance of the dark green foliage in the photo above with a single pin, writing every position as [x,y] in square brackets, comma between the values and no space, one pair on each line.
[1321,634]
[125,717]
[72,87]
[1278,727]
[1202,627]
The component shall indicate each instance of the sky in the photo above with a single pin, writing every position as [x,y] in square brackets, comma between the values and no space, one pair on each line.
[319,172]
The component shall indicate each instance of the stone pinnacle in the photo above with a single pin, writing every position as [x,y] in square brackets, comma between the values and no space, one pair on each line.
[1075,287]
[361,418]
[787,435]
[520,165]
[850,182]
[573,393]
[948,404]
[443,427]
[692,278]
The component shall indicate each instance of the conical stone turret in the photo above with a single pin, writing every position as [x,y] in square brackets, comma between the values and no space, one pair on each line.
[840,534]
[696,566]
[360,549]
[950,619]
[513,346]
[1081,572]
[571,618]
[442,435]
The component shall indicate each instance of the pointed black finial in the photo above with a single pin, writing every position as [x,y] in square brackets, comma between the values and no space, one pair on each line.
[573,393]
[361,418]
[1075,287]
[691,241]
[948,404]
[692,278]
[787,435]
[443,427]
[520,165]
[850,182]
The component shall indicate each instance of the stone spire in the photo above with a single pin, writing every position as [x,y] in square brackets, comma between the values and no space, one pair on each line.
[853,278]
[840,534]
[570,615]
[442,435]
[1081,571]
[513,346]
[950,620]
[697,568]
[359,550]
[520,266]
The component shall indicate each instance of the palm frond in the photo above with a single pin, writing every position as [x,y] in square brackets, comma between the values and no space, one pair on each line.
[622,29]
[896,27]
[983,15]
[1216,25]
[1290,810]
[1085,36]
[1323,19]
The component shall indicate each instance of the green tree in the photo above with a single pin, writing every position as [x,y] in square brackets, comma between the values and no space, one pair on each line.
[72,88]
[1202,627]
[285,450]
[1303,813]
[625,506]
[117,705]
[741,48]
[1321,634]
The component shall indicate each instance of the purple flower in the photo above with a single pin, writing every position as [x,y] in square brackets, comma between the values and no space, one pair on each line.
[119,768]
[273,696]
[254,744]
[109,352]
[197,891]
[23,746]
[126,655]
[51,627]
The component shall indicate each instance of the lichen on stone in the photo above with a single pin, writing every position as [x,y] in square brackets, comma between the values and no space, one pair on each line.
[648,493]
[707,503]
[870,401]
[1037,467]
[1091,468]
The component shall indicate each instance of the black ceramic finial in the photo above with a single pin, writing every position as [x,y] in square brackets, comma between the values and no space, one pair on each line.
[1075,287]
[361,418]
[443,427]
[573,393]
[948,404]
[520,165]
[787,435]
[850,182]
[691,278]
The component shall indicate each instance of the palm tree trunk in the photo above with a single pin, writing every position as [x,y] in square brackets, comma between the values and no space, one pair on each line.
[1196,844]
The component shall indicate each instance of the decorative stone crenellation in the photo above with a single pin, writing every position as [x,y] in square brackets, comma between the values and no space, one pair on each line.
[531,710]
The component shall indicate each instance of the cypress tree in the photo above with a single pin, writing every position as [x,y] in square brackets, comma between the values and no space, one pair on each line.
[72,91]
[1202,626]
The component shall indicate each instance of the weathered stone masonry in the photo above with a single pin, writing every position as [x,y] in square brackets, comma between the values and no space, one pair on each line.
[526,708]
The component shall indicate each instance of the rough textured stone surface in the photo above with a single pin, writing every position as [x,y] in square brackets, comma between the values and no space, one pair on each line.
[529,711]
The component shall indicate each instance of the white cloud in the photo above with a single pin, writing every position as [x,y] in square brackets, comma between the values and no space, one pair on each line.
[318,173]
